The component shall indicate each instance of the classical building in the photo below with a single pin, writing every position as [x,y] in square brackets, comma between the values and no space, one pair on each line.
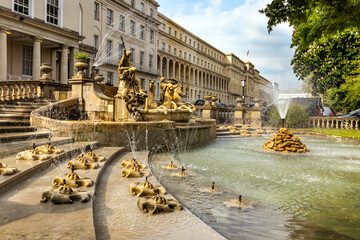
[34,32]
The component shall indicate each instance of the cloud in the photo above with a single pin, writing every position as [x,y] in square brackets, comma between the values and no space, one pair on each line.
[238,27]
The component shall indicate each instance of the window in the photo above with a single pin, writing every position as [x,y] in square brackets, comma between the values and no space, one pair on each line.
[163,46]
[163,26]
[151,12]
[189,41]
[185,39]
[52,12]
[132,55]
[96,10]
[133,3]
[169,49]
[109,18]
[205,50]
[141,58]
[142,80]
[27,60]
[189,57]
[180,53]
[201,48]
[108,49]
[174,51]
[170,30]
[142,29]
[132,27]
[110,78]
[121,22]
[175,33]
[193,59]
[194,44]
[22,6]
[96,41]
[198,46]
[142,7]
[150,61]
[198,60]
[201,62]
[180,36]
[151,36]
[121,50]
[185,55]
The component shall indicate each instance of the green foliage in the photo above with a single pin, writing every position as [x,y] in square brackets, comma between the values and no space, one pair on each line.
[81,56]
[313,18]
[296,117]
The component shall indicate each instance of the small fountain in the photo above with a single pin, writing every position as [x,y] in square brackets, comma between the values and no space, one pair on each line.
[127,164]
[73,180]
[157,205]
[82,163]
[171,166]
[285,141]
[145,189]
[7,170]
[32,154]
[64,194]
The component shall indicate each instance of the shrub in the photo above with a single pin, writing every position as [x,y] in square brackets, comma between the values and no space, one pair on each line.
[81,56]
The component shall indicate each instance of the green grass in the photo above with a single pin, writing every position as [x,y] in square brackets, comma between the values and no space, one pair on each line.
[337,132]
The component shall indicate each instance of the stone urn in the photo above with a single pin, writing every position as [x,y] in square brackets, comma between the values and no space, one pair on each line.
[99,78]
[81,65]
[46,69]
[207,102]
[214,99]
[257,102]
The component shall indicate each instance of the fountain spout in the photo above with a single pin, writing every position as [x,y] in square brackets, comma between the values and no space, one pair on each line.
[240,198]
[283,122]
[182,169]
[34,146]
[213,186]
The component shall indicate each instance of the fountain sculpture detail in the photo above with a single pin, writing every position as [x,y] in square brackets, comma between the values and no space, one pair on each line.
[158,204]
[145,189]
[7,170]
[82,163]
[49,149]
[285,141]
[32,154]
[73,180]
[142,106]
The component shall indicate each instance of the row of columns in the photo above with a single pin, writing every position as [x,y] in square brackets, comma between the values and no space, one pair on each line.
[36,58]
[215,84]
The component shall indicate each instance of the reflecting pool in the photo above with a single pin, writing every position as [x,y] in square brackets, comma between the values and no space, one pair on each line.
[290,196]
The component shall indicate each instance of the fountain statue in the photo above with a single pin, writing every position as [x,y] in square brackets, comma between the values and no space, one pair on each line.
[64,194]
[145,189]
[158,204]
[73,180]
[32,154]
[7,170]
[142,106]
[285,141]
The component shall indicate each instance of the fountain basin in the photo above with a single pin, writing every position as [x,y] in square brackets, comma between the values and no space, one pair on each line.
[176,115]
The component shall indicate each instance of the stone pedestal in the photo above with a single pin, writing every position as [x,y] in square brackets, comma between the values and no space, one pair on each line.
[121,113]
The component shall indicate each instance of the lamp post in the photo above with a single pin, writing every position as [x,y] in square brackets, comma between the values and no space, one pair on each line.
[243,90]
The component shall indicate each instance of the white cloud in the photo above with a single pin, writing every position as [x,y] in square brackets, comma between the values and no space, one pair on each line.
[238,30]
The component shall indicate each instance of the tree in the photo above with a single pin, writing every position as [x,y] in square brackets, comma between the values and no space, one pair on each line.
[313,19]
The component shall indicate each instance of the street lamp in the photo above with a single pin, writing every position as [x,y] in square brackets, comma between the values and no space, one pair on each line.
[243,88]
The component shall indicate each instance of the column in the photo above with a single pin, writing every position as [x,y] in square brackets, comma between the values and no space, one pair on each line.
[3,54]
[72,62]
[64,65]
[36,58]
[53,65]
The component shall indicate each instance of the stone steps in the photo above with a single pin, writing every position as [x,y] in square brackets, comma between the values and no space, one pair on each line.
[29,168]
[13,116]
[14,123]
[9,148]
[16,129]
[68,221]
[23,136]
[16,110]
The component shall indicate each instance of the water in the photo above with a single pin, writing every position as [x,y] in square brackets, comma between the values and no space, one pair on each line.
[305,196]
[282,106]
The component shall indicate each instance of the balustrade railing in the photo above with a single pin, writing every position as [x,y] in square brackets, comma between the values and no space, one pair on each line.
[334,122]
[20,90]
[223,115]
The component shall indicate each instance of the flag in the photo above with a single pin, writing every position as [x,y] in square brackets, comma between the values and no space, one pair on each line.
[247,54]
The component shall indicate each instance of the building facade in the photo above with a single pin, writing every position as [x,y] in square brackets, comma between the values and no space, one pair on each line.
[34,32]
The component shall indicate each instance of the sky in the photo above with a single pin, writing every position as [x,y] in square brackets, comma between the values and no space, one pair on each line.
[237,26]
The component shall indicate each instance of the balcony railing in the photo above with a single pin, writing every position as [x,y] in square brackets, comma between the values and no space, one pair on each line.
[334,122]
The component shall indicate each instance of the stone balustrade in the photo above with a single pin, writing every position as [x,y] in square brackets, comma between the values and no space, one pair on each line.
[20,90]
[221,114]
[15,90]
[334,122]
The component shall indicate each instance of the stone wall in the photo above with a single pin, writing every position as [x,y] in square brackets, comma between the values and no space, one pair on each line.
[144,135]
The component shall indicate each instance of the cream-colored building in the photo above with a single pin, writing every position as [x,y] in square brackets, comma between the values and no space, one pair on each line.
[53,31]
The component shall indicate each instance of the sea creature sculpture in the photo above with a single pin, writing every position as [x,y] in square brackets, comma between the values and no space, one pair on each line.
[73,180]
[171,166]
[49,149]
[64,194]
[145,189]
[82,163]
[7,170]
[157,205]
[32,154]
[91,157]
[133,172]
[132,163]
